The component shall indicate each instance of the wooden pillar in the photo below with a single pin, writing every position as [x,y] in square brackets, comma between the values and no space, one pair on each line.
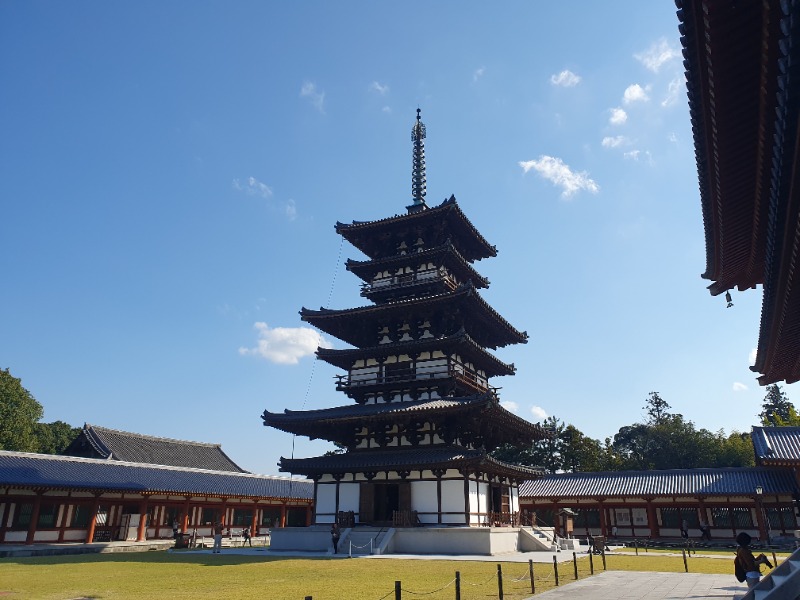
[338,478]
[37,505]
[93,519]
[439,496]
[283,514]
[185,520]
[254,521]
[63,516]
[5,511]
[309,514]
[556,524]
[652,520]
[603,519]
[760,522]
[141,532]
[316,488]
[466,497]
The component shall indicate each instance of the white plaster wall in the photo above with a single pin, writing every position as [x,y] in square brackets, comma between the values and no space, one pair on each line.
[75,535]
[326,502]
[45,536]
[423,499]
[349,497]
[455,540]
[16,536]
[473,502]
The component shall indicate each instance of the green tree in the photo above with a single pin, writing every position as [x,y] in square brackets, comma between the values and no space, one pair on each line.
[657,409]
[580,452]
[53,438]
[19,414]
[735,450]
[776,407]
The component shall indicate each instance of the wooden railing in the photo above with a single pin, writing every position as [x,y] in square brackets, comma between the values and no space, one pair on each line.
[398,281]
[501,519]
[346,519]
[405,518]
[456,370]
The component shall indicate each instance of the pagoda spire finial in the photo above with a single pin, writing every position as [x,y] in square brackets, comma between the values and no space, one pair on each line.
[418,166]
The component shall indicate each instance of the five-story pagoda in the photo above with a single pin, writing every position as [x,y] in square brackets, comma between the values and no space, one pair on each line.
[424,416]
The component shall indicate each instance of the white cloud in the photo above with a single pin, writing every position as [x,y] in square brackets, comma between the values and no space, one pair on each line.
[510,405]
[291,210]
[634,93]
[381,89]
[739,387]
[539,413]
[316,97]
[252,187]
[565,79]
[673,91]
[478,74]
[657,55]
[613,142]
[752,356]
[673,138]
[387,110]
[285,345]
[554,170]
[618,116]
[633,154]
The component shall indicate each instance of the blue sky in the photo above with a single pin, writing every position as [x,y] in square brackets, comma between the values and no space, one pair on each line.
[171,173]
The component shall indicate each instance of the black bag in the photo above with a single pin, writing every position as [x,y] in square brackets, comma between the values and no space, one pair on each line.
[738,570]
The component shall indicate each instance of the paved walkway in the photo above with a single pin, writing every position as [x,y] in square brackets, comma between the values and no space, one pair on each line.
[648,586]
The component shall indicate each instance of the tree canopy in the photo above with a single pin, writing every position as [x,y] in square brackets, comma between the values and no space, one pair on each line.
[665,440]
[20,429]
[777,410]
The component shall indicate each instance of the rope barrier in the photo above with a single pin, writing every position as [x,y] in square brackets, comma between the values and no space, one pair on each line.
[386,596]
[492,577]
[352,545]
[444,587]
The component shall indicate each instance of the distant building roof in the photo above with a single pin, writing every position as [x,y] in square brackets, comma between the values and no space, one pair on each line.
[112,444]
[776,445]
[674,482]
[21,469]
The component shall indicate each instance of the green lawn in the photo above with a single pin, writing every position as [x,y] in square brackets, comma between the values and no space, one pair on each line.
[181,575]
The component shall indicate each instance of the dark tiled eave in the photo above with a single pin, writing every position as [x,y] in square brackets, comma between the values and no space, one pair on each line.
[470,242]
[405,460]
[337,424]
[776,445]
[744,88]
[114,444]
[344,358]
[357,326]
[670,483]
[366,269]
[39,471]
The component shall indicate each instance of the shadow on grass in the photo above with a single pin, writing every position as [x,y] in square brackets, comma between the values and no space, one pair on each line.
[158,557]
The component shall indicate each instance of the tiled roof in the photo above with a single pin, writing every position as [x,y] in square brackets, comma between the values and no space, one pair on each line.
[366,235]
[343,358]
[677,482]
[366,269]
[428,457]
[776,445]
[20,469]
[100,442]
[496,424]
[484,324]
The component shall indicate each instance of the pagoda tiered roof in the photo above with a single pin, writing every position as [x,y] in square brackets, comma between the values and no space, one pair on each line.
[460,341]
[407,459]
[339,424]
[359,326]
[451,258]
[447,220]
[743,89]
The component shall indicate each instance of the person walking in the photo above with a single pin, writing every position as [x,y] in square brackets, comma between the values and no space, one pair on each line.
[218,529]
[335,535]
[246,537]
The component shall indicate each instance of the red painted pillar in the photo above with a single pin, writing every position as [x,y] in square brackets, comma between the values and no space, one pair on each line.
[603,520]
[93,520]
[652,520]
[254,521]
[141,532]
[283,515]
[185,520]
[308,515]
[37,505]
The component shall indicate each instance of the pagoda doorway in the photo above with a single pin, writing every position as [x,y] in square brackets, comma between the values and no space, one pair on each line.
[500,505]
[379,502]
